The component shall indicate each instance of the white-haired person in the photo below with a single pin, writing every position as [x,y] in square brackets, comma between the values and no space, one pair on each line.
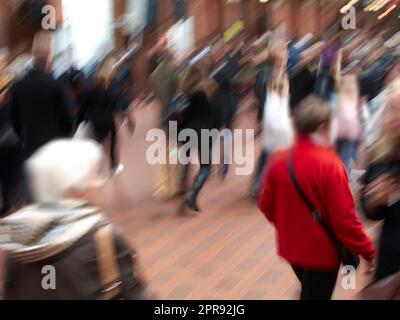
[62,246]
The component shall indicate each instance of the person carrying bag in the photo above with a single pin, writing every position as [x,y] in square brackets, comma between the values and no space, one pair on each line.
[347,257]
[315,242]
[278,131]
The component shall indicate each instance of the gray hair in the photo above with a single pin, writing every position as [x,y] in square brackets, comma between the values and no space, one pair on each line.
[60,166]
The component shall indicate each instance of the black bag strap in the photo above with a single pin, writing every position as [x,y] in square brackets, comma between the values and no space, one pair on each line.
[316,213]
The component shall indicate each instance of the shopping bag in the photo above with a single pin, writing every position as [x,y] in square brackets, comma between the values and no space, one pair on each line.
[169,177]
[278,130]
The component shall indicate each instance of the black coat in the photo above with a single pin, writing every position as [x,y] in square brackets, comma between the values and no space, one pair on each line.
[301,84]
[227,100]
[40,111]
[200,114]
[99,107]
[389,247]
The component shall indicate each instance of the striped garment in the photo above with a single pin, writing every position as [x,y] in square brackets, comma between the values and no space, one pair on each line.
[38,232]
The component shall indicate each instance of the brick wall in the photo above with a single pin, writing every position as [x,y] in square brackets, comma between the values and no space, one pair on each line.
[212,17]
[206,19]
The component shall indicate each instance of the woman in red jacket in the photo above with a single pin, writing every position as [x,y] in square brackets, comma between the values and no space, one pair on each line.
[302,241]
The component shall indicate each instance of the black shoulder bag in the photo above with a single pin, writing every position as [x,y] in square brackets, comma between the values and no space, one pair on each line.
[346,256]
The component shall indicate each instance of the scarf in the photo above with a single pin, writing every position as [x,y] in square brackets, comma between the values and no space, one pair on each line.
[40,231]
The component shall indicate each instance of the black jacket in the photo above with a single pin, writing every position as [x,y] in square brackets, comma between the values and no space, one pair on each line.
[227,100]
[260,89]
[99,107]
[77,275]
[200,114]
[389,247]
[40,111]
[302,83]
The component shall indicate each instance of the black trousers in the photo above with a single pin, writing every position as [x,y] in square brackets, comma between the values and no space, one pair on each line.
[316,285]
[204,172]
[389,257]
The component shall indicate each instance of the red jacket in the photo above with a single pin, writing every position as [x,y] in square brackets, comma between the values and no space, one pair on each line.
[323,178]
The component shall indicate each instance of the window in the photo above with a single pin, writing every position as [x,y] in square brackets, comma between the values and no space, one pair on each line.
[88,29]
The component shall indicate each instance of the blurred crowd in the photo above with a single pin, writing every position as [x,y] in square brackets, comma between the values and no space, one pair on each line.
[327,116]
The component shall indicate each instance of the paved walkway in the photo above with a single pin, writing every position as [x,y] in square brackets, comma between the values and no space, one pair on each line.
[228,252]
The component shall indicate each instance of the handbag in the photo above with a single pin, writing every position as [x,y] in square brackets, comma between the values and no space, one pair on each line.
[385,289]
[110,277]
[347,257]
[278,131]
[109,270]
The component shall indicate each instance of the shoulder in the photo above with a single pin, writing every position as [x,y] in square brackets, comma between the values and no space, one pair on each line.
[330,162]
[277,161]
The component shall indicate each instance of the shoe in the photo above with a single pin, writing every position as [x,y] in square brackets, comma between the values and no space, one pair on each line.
[117,171]
[254,195]
[191,202]
[224,170]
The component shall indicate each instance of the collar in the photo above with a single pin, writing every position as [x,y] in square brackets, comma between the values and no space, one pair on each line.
[305,140]
[65,203]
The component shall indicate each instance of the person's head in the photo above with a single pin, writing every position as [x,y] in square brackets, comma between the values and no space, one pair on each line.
[313,117]
[190,80]
[197,78]
[106,71]
[66,169]
[42,50]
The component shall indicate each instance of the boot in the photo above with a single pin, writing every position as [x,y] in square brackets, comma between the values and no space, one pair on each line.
[224,170]
[201,179]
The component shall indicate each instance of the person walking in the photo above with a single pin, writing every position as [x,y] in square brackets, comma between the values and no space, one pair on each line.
[277,128]
[200,114]
[381,197]
[164,82]
[310,166]
[40,108]
[100,106]
[9,144]
[63,230]
[348,118]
